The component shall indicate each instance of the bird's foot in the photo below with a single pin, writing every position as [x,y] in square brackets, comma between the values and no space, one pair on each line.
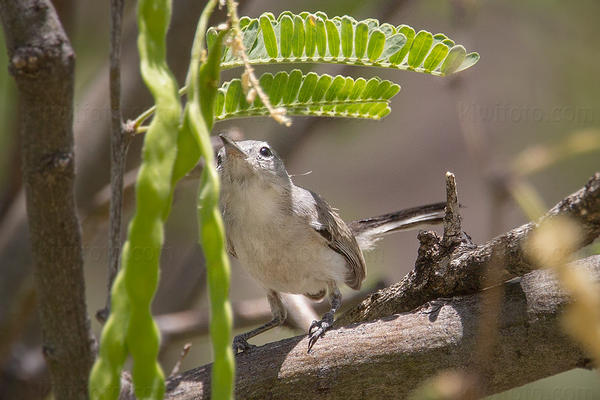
[240,344]
[317,329]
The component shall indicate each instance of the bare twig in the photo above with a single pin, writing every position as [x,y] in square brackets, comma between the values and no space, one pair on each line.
[390,357]
[452,227]
[119,141]
[182,356]
[43,64]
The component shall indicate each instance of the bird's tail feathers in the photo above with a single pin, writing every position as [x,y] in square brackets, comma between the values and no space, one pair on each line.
[368,231]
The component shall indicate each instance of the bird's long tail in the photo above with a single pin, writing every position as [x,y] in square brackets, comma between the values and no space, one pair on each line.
[370,230]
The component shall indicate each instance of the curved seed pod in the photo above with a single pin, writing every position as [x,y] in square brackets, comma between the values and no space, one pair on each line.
[130,327]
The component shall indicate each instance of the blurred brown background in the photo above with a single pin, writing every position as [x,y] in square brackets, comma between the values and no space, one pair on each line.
[535,87]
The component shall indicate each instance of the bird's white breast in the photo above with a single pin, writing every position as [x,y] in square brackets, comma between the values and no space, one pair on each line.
[278,248]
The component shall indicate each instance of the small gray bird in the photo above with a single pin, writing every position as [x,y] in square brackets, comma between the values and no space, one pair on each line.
[289,239]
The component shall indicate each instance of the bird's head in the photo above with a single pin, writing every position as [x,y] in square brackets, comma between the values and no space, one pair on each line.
[247,159]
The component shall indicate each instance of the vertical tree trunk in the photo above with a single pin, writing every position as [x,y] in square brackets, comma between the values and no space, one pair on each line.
[42,63]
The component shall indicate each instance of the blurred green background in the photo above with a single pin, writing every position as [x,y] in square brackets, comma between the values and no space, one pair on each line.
[533,95]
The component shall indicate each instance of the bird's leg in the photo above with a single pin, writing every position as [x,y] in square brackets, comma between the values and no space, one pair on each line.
[318,328]
[240,342]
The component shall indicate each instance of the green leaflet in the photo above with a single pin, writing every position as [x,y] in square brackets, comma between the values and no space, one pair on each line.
[321,37]
[470,60]
[130,327]
[269,38]
[421,45]
[333,38]
[298,36]
[435,57]
[310,35]
[347,36]
[317,38]
[307,86]
[277,87]
[376,44]
[293,86]
[310,94]
[286,36]
[361,40]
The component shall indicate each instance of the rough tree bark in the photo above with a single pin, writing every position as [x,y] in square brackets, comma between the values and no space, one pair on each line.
[390,357]
[42,63]
[441,271]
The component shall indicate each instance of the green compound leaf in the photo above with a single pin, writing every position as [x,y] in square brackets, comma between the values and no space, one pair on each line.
[317,38]
[310,94]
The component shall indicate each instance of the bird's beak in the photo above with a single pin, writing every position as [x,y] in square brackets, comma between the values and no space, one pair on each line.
[231,148]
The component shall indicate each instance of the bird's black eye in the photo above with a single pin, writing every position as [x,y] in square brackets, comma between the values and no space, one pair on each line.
[265,152]
[219,160]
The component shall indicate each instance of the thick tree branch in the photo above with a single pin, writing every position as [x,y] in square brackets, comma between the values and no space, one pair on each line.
[441,271]
[42,63]
[390,357]
[393,354]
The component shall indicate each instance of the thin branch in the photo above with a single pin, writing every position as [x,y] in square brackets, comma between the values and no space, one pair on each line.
[182,356]
[119,141]
[392,356]
[135,125]
[439,273]
[43,65]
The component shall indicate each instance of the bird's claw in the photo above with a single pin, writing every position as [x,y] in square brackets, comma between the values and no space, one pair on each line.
[240,344]
[316,330]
